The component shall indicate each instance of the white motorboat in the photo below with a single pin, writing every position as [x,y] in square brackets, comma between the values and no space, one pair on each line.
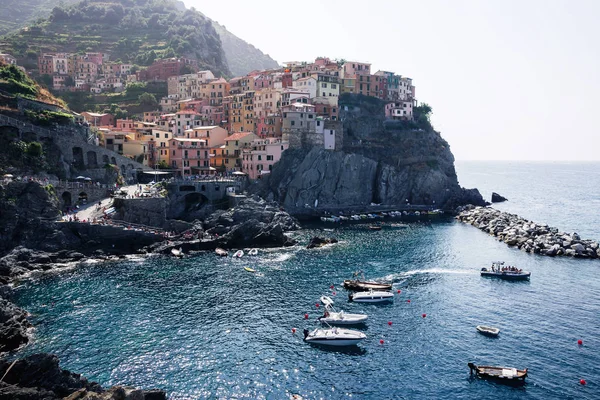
[333,336]
[253,252]
[238,254]
[177,253]
[333,317]
[487,330]
[371,296]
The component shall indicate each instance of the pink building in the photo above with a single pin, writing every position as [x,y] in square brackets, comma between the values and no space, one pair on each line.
[399,110]
[269,125]
[259,158]
[353,68]
[190,156]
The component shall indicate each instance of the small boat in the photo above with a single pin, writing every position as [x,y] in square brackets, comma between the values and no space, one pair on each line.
[375,227]
[399,226]
[238,254]
[506,374]
[253,252]
[498,270]
[359,286]
[333,336]
[221,252]
[372,296]
[487,330]
[249,269]
[177,253]
[333,317]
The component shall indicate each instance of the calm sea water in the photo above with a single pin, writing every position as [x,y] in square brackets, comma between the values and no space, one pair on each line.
[202,327]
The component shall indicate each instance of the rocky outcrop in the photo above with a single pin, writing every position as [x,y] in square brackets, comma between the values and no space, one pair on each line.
[320,242]
[13,326]
[528,236]
[496,198]
[39,376]
[254,222]
[382,162]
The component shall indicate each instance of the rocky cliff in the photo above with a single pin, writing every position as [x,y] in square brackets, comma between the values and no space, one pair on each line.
[384,162]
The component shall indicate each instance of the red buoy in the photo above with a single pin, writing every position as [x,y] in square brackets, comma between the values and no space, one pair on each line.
[399,291]
[331,287]
[333,293]
[293,330]
[408,301]
[390,323]
[424,315]
[583,382]
[305,316]
[381,342]
[580,342]
[317,305]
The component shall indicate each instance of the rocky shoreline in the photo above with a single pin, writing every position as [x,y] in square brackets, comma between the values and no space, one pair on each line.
[528,236]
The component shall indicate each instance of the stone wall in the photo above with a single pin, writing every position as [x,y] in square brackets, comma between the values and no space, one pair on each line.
[149,212]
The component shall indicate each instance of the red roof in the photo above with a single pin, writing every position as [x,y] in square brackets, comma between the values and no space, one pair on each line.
[238,136]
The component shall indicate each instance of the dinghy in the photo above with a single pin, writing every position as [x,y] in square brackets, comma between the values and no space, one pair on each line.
[249,269]
[238,254]
[177,253]
[487,330]
[253,252]
[372,296]
[333,336]
[502,374]
[221,252]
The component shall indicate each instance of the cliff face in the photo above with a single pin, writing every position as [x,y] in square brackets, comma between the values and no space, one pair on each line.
[384,162]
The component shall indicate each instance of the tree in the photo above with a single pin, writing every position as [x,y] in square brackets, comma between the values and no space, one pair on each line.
[423,112]
[34,149]
[162,164]
[47,80]
[69,81]
[148,99]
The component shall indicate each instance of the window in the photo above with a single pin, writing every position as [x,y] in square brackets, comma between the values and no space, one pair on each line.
[333,86]
[269,158]
[166,135]
[323,85]
[293,123]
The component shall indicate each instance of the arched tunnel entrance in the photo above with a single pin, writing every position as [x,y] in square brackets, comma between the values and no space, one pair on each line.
[66,199]
[83,197]
[194,201]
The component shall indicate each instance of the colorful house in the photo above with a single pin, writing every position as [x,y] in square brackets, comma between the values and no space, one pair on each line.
[233,149]
[258,159]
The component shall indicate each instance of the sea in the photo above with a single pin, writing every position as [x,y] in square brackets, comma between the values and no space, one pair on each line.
[203,327]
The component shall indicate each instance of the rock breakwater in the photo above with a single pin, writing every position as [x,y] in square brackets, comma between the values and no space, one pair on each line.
[528,236]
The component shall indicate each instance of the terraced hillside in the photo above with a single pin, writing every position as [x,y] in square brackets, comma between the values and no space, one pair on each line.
[133,31]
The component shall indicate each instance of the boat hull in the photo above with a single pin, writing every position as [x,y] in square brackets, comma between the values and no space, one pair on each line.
[487,331]
[507,275]
[372,297]
[363,286]
[334,342]
[346,319]
[334,337]
[500,374]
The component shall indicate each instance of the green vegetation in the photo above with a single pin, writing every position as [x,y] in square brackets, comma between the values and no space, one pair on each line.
[16,82]
[134,31]
[23,155]
[422,116]
[48,118]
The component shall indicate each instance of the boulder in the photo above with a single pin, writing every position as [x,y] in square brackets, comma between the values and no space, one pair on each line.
[320,242]
[496,198]
[13,326]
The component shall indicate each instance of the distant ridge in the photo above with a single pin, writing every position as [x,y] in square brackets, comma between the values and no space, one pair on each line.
[240,56]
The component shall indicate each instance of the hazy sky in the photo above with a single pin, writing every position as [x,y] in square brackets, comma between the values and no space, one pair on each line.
[507,80]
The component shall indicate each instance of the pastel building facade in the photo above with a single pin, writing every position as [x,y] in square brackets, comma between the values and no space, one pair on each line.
[260,156]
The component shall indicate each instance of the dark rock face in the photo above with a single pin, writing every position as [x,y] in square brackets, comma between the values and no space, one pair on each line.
[381,162]
[496,198]
[39,377]
[320,242]
[13,326]
[254,222]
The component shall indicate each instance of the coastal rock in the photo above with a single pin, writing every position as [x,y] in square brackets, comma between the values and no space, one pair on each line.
[526,235]
[377,161]
[496,198]
[320,242]
[13,326]
[39,376]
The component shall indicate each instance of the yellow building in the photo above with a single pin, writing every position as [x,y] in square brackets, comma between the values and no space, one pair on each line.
[233,149]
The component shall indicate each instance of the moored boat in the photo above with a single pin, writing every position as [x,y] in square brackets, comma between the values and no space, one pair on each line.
[221,252]
[498,270]
[358,286]
[375,227]
[253,252]
[372,296]
[487,330]
[505,374]
[177,252]
[333,336]
[249,269]
[238,254]
[333,317]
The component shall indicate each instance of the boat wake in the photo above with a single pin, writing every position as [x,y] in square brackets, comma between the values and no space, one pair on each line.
[403,275]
